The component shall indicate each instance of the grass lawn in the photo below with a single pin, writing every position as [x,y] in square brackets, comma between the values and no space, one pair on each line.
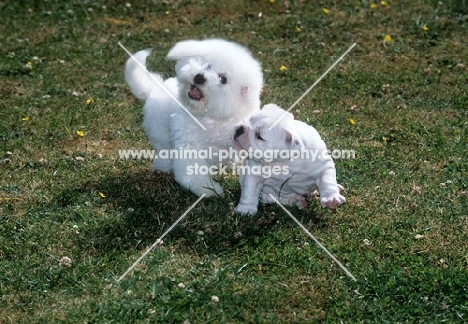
[399,99]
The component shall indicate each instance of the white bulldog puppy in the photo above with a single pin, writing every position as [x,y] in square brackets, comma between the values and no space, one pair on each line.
[289,162]
[217,84]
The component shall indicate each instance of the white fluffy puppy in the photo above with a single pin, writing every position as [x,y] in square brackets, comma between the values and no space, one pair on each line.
[289,161]
[219,83]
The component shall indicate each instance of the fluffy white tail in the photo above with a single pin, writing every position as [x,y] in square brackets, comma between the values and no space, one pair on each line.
[141,81]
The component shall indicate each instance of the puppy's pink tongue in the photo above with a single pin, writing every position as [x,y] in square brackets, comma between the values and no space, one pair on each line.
[195,93]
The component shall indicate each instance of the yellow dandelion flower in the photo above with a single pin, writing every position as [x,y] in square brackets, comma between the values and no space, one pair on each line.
[425,28]
[298,29]
[351,121]
[29,65]
[89,101]
[80,133]
[385,139]
[102,195]
[383,3]
[283,68]
[272,1]
[26,118]
[373,6]
[388,39]
[326,11]
[168,12]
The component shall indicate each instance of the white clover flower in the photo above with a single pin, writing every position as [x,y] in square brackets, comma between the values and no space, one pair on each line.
[65,262]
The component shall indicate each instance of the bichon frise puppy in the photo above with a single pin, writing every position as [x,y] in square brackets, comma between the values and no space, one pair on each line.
[217,84]
[289,161]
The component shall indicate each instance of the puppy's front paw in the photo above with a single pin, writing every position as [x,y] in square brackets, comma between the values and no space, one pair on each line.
[245,210]
[332,201]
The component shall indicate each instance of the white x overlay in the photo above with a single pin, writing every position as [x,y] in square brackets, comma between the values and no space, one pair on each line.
[159,240]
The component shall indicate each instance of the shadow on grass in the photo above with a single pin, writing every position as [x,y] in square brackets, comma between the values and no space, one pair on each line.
[140,205]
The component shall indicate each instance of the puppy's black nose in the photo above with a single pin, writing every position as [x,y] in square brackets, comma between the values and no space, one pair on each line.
[239,131]
[199,79]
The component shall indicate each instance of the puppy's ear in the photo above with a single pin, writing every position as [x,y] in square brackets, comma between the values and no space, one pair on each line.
[185,49]
[293,142]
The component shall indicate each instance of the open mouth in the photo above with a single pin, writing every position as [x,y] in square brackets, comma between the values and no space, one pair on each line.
[195,93]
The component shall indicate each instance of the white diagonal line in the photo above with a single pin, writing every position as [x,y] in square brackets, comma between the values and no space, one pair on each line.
[308,90]
[316,241]
[162,86]
[159,240]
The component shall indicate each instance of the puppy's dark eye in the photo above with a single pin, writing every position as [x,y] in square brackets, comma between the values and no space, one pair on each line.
[258,136]
[222,79]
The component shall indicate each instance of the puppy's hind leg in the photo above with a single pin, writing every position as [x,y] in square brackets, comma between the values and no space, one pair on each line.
[291,200]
